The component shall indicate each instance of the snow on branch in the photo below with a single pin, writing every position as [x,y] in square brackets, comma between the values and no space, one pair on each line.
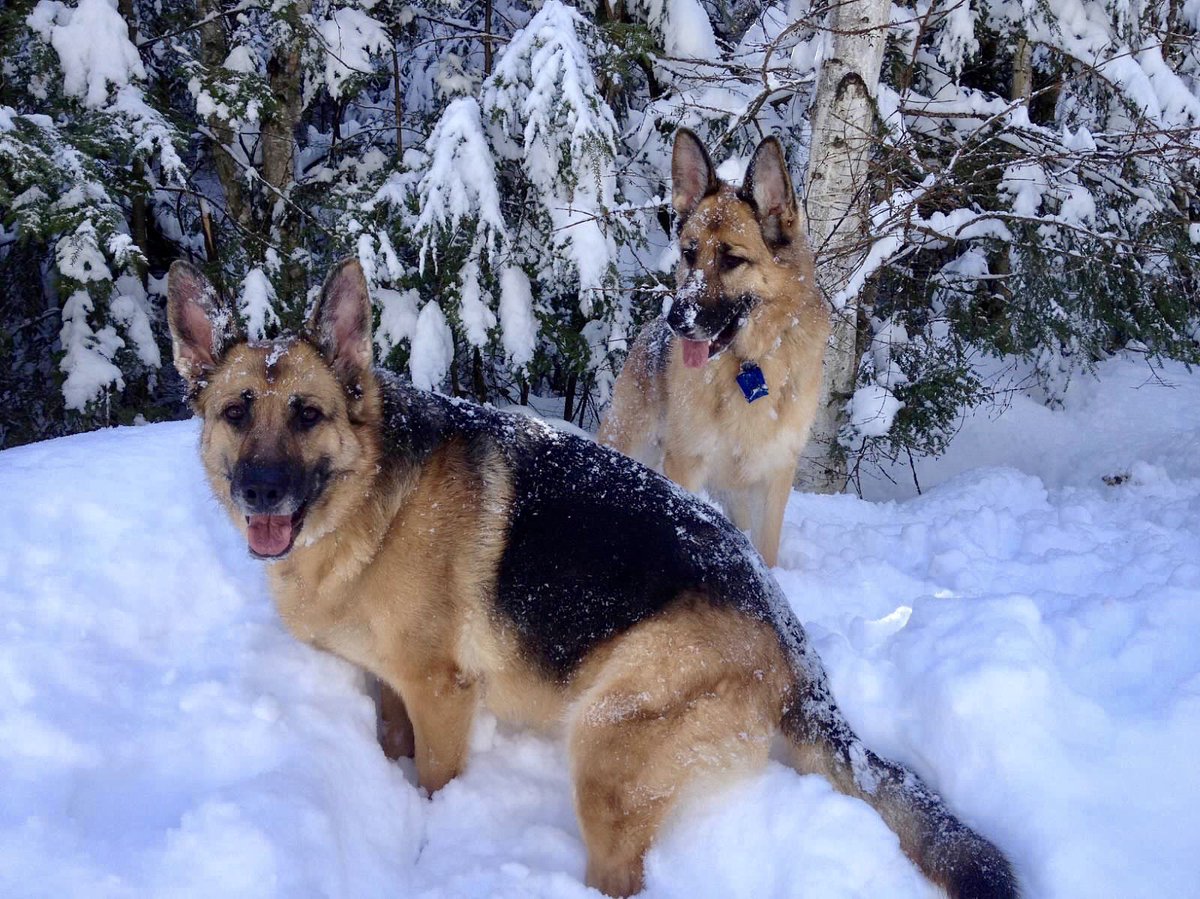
[87,354]
[683,25]
[256,303]
[350,39]
[548,112]
[93,47]
[460,182]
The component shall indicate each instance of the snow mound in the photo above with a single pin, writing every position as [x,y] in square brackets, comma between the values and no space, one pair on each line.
[1021,635]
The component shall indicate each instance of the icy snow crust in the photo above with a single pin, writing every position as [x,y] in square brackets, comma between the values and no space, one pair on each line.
[1023,637]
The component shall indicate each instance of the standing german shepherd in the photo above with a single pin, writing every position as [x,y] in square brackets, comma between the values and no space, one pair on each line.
[721,391]
[470,558]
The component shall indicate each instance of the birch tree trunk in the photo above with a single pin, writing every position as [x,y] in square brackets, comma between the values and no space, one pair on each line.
[836,203]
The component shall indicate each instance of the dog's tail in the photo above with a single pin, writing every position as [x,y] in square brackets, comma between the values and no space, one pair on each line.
[948,852]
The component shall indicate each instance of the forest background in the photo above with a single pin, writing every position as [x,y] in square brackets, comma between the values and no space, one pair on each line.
[1001,193]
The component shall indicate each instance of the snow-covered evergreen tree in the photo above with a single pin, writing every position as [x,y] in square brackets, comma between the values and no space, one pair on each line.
[77,146]
[1037,188]
[500,168]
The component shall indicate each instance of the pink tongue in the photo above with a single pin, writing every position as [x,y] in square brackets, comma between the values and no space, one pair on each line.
[270,535]
[695,352]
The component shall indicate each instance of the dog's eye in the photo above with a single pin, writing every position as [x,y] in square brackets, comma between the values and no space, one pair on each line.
[729,262]
[689,255]
[308,416]
[235,413]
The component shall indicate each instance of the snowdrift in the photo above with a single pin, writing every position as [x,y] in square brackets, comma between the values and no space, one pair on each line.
[1023,635]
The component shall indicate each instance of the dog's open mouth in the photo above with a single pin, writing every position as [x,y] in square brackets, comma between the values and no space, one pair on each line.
[696,353]
[272,536]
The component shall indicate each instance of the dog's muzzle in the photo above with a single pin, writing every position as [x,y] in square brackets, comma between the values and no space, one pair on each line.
[706,331]
[274,497]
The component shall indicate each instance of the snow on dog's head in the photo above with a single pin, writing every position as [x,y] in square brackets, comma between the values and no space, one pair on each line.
[284,418]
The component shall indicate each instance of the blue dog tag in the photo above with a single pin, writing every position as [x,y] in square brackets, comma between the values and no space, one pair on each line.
[752,382]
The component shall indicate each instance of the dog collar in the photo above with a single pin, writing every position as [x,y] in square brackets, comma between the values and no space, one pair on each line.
[752,382]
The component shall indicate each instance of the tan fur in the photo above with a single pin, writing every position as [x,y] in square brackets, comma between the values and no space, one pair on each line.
[400,590]
[696,421]
[396,568]
[300,372]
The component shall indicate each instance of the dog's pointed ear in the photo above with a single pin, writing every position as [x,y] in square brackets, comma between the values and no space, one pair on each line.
[200,327]
[692,174]
[768,188]
[341,324]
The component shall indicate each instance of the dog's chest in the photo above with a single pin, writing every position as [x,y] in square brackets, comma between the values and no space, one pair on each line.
[724,426]
[324,615]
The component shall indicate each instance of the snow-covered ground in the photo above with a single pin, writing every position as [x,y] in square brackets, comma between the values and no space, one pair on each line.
[1022,634]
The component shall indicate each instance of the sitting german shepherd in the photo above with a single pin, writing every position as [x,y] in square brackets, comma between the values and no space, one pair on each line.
[721,391]
[471,558]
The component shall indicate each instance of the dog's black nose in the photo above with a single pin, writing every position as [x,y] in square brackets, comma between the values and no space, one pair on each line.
[262,487]
[682,317]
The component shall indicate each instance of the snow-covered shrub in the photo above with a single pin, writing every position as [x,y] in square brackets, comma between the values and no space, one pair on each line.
[79,144]
[501,169]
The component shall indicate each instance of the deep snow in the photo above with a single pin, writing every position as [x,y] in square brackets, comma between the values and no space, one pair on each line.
[1023,635]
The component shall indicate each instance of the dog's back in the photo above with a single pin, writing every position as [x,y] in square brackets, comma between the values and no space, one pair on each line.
[594,541]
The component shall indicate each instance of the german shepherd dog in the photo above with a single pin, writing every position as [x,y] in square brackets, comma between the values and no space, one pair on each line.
[720,392]
[470,558]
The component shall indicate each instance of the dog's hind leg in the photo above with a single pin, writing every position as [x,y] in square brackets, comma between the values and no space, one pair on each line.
[395,728]
[679,698]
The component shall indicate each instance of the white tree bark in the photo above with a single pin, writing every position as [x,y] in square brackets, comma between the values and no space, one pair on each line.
[836,203]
